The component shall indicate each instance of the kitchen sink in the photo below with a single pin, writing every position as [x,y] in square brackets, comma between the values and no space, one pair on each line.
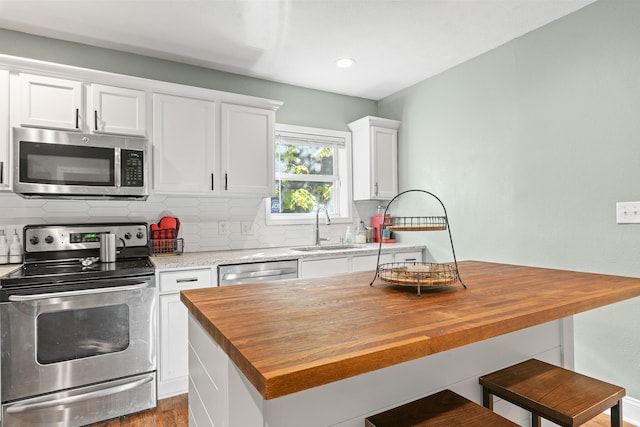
[324,248]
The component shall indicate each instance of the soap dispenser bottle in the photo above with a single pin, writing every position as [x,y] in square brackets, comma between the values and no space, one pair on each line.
[348,236]
[15,249]
[4,248]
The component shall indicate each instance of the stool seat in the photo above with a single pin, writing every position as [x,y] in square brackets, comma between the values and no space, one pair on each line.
[443,409]
[557,394]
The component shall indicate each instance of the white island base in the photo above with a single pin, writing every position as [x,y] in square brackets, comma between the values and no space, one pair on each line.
[221,396]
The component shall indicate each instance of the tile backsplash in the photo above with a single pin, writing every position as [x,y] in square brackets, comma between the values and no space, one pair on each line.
[244,219]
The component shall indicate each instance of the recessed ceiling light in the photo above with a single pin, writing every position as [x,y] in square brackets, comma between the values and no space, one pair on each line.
[345,62]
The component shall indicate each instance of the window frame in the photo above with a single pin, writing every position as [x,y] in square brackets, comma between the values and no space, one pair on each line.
[343,194]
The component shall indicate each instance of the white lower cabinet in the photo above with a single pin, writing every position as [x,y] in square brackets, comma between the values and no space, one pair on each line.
[351,263]
[173,349]
[368,262]
[323,267]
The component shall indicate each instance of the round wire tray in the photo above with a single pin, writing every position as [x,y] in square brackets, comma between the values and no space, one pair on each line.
[418,274]
[418,223]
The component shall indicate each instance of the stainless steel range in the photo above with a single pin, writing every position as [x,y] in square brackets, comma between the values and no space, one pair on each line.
[77,335]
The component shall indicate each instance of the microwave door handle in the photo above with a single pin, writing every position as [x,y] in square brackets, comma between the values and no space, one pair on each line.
[118,163]
[34,297]
[49,403]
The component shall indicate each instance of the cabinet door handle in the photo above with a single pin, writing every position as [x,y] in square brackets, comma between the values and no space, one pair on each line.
[376,189]
[1,172]
[77,118]
[95,119]
[212,182]
[226,182]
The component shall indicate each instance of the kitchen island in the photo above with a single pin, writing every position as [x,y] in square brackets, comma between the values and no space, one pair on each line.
[331,351]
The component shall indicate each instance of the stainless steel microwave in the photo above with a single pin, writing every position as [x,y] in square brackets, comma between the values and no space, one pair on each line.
[55,164]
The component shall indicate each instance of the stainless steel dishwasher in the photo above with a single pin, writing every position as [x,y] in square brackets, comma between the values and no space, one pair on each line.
[237,274]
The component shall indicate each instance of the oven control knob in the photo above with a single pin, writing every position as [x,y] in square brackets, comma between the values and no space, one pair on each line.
[48,239]
[140,235]
[127,236]
[34,240]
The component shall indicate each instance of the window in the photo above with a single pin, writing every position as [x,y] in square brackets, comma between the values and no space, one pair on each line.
[312,167]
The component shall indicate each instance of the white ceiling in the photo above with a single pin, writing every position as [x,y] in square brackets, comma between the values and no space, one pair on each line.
[395,43]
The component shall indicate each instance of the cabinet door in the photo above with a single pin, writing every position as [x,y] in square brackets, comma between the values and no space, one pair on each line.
[323,267]
[247,150]
[385,162]
[117,110]
[184,142]
[50,102]
[173,359]
[368,262]
[4,130]
[174,346]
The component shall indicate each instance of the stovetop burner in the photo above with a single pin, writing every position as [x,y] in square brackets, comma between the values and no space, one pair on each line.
[69,253]
[74,270]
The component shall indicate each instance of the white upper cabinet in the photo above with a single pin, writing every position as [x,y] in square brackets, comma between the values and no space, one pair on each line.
[4,129]
[375,158]
[54,103]
[50,102]
[191,156]
[184,145]
[247,150]
[117,110]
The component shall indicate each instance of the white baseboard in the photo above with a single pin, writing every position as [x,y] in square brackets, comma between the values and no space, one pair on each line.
[631,410]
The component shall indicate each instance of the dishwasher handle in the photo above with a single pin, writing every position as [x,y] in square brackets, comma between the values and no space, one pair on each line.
[259,274]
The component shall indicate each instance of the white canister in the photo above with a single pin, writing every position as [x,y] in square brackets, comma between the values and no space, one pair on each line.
[107,247]
[4,248]
[15,249]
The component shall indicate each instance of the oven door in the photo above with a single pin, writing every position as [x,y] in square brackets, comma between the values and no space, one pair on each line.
[58,340]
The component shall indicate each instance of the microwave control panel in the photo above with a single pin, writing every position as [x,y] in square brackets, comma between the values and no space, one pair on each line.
[132,168]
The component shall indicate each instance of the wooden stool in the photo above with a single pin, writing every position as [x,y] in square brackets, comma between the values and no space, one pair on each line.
[443,409]
[557,394]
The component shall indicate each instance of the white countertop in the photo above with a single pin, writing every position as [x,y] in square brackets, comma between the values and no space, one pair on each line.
[212,258]
[8,268]
[200,259]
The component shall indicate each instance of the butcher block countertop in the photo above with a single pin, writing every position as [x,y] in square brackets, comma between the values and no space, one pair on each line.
[292,335]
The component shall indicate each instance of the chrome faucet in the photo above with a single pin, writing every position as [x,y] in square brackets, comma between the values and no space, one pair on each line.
[318,239]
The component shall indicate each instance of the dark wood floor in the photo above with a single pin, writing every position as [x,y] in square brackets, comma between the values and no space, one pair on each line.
[173,412]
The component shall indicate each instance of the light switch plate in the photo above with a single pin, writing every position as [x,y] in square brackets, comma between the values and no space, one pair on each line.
[628,212]
[248,229]
[224,228]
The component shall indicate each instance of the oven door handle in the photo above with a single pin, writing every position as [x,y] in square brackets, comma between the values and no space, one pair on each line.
[21,298]
[49,403]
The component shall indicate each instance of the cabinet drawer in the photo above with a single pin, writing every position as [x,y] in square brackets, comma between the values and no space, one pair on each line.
[408,257]
[175,281]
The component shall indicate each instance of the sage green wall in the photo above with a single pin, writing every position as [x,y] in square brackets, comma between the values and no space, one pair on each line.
[530,146]
[305,107]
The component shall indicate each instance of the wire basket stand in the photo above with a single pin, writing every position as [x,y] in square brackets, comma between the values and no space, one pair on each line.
[413,273]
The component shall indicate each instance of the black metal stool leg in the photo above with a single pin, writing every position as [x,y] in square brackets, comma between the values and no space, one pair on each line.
[616,414]
[487,398]
[535,420]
